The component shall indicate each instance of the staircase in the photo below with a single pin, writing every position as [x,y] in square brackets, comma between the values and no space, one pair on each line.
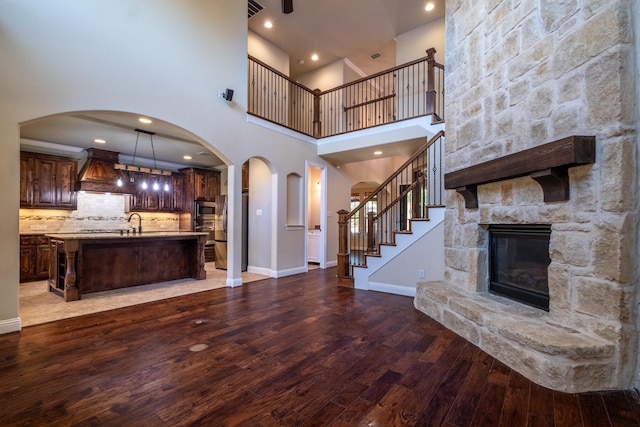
[395,221]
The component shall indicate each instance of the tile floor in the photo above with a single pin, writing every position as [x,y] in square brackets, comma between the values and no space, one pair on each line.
[37,305]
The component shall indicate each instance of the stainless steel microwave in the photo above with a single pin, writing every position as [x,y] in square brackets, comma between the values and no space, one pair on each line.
[205,208]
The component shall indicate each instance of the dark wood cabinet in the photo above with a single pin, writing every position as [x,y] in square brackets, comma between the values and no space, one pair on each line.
[66,175]
[150,200]
[34,258]
[47,182]
[206,185]
[178,194]
[200,184]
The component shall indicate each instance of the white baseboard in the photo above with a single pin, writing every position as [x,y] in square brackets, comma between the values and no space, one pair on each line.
[232,283]
[331,264]
[393,289]
[260,270]
[10,325]
[291,271]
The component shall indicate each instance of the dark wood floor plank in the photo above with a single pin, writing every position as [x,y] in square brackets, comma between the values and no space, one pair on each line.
[620,411]
[633,397]
[566,410]
[353,414]
[493,391]
[515,407]
[540,406]
[299,350]
[467,399]
[438,407]
[593,410]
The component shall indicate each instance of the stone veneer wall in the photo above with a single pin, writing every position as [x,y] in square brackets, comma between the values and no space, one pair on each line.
[95,212]
[521,74]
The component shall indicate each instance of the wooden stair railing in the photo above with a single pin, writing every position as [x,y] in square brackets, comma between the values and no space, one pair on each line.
[406,195]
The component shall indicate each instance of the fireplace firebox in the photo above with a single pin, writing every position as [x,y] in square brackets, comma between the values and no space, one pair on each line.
[518,262]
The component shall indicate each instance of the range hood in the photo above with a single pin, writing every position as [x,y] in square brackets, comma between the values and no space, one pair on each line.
[99,174]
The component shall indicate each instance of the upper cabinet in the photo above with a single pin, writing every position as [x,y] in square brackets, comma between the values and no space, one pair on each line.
[150,200]
[200,184]
[47,182]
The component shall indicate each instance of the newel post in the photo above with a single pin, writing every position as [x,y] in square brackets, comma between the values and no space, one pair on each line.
[317,124]
[343,235]
[431,87]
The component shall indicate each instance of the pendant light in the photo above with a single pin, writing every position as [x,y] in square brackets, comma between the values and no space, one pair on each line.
[153,172]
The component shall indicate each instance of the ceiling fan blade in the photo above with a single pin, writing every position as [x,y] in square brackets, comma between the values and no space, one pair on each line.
[287,6]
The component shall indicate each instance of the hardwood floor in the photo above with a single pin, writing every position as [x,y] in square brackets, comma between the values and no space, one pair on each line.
[293,351]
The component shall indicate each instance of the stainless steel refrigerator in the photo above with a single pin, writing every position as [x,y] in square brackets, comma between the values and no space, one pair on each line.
[220,232]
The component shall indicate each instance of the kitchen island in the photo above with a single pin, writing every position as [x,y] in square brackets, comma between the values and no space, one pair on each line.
[84,263]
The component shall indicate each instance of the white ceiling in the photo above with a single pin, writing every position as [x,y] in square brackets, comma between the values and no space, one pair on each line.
[73,132]
[334,29]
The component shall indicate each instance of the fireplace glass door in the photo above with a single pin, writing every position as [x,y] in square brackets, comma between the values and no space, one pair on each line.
[518,262]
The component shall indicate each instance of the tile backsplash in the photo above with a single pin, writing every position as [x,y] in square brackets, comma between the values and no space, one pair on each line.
[95,211]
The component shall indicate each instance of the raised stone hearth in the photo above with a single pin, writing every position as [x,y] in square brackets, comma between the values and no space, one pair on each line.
[524,338]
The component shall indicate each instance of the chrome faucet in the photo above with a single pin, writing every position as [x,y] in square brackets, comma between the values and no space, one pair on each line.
[139,222]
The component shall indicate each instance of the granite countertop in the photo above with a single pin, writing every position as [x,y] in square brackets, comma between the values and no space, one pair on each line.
[117,235]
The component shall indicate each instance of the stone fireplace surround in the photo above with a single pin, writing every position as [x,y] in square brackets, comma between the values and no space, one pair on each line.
[575,347]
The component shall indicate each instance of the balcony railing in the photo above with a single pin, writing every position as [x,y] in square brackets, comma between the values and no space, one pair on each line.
[405,196]
[405,92]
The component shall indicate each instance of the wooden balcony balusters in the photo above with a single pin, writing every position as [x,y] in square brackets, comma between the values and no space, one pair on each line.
[404,92]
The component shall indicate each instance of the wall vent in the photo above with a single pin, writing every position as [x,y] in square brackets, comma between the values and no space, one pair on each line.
[375,56]
[254,7]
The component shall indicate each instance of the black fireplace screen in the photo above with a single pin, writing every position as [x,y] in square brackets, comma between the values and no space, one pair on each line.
[518,262]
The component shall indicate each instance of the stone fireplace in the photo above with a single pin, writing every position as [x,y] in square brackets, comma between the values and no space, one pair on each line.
[518,75]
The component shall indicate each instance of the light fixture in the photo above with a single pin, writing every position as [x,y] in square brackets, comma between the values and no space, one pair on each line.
[377,153]
[144,120]
[99,141]
[429,7]
[132,167]
[187,157]
[314,57]
[268,24]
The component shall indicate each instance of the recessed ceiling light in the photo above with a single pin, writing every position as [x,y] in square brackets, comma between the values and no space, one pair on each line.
[314,57]
[99,141]
[377,153]
[187,157]
[144,120]
[429,7]
[268,24]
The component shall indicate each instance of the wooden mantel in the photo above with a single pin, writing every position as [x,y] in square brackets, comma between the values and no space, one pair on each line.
[547,164]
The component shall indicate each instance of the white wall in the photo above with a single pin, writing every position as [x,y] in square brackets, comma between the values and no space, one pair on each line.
[162,59]
[324,78]
[427,254]
[260,214]
[413,44]
[268,53]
